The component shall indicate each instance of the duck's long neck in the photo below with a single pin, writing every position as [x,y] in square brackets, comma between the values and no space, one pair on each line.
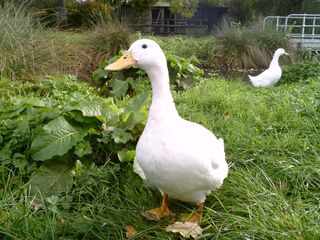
[162,101]
[275,61]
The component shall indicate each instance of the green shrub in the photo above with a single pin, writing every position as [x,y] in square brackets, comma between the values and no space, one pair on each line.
[268,38]
[134,80]
[309,53]
[204,48]
[53,123]
[235,48]
[84,14]
[301,71]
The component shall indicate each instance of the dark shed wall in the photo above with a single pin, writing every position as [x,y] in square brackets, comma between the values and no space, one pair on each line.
[213,14]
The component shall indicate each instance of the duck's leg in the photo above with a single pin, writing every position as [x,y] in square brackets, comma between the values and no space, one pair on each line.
[194,217]
[158,213]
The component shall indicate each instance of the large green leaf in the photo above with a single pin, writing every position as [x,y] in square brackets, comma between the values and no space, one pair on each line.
[8,110]
[132,119]
[30,102]
[93,109]
[56,139]
[51,179]
[119,87]
[136,112]
[139,103]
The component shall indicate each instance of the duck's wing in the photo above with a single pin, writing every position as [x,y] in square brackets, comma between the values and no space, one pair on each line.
[263,79]
[199,149]
[183,159]
[268,77]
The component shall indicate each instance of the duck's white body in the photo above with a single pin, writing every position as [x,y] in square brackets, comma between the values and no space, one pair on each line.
[271,75]
[179,157]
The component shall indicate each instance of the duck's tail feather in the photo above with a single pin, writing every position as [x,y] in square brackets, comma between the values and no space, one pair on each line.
[253,80]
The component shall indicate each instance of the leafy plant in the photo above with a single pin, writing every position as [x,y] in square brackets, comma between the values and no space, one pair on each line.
[51,133]
[309,53]
[185,8]
[301,71]
[119,83]
[129,81]
[181,69]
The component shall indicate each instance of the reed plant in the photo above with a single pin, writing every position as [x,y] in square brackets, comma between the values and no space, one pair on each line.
[248,47]
[16,40]
[25,49]
[110,35]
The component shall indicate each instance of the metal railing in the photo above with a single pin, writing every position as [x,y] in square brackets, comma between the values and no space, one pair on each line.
[303,29]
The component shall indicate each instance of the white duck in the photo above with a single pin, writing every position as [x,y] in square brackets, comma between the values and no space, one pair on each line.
[184,160]
[272,75]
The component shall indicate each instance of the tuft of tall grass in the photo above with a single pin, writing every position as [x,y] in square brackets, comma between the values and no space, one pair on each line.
[110,35]
[16,39]
[24,48]
[248,47]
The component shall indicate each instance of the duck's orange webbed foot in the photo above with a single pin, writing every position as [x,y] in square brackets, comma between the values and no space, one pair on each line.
[157,213]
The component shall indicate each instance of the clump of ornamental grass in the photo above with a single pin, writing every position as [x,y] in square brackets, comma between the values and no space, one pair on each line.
[110,34]
[248,47]
[16,40]
[24,50]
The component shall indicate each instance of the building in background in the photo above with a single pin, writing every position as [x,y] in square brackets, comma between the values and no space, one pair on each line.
[161,21]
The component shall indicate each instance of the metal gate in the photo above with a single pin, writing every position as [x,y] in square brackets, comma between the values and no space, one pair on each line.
[303,29]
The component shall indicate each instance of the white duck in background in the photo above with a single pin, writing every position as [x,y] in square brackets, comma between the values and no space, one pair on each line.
[184,160]
[272,75]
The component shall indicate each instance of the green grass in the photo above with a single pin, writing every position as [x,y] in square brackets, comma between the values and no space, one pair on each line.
[272,145]
[272,192]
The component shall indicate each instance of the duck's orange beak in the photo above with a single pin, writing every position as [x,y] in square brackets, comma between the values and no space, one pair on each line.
[125,61]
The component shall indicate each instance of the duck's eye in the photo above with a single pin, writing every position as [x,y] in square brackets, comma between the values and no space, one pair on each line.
[144,46]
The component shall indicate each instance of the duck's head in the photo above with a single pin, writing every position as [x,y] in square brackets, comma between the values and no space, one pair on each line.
[280,51]
[143,53]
